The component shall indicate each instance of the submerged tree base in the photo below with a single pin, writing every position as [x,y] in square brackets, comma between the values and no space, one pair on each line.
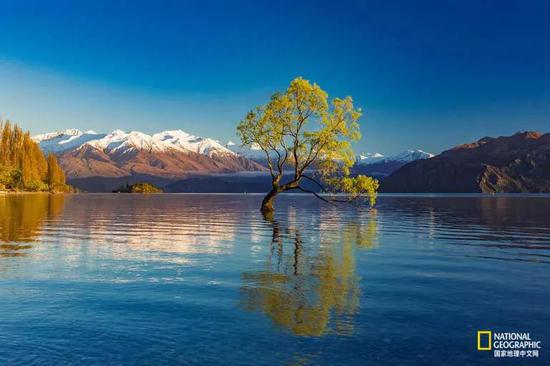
[268,203]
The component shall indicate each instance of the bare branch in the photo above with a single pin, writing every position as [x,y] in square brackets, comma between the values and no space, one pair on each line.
[314,181]
[329,200]
[315,194]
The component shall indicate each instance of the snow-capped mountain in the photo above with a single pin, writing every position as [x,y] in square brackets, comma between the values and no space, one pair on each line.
[369,158]
[253,152]
[411,155]
[122,142]
[53,135]
[380,166]
[62,141]
[404,156]
[169,154]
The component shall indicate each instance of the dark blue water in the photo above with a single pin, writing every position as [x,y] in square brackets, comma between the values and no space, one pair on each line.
[204,279]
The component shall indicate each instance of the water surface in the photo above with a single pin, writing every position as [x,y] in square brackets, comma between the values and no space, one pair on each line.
[204,279]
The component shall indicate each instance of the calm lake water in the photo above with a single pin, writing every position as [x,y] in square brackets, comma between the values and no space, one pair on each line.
[204,279]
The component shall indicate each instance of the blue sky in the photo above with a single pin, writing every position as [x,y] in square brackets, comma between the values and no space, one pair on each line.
[428,74]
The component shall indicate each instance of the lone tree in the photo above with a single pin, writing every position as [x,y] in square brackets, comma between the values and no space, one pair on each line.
[301,133]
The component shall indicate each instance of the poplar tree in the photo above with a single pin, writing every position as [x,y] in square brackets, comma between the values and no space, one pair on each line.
[23,166]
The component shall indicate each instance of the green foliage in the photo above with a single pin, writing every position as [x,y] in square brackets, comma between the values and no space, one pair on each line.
[5,177]
[360,186]
[138,188]
[302,131]
[145,188]
[23,166]
[16,179]
[37,186]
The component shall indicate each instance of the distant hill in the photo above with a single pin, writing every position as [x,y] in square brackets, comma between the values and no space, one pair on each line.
[372,164]
[518,163]
[228,183]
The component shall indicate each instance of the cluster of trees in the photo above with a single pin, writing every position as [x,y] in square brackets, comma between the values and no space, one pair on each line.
[138,188]
[23,166]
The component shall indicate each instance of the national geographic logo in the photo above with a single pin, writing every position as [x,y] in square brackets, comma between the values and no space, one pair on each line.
[484,340]
[508,344]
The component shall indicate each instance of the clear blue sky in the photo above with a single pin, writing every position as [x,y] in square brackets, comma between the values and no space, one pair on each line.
[428,74]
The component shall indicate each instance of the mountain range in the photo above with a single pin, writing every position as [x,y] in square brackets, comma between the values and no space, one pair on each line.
[102,161]
[179,161]
[517,163]
[168,154]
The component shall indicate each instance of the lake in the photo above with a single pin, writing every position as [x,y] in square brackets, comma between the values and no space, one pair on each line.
[204,279]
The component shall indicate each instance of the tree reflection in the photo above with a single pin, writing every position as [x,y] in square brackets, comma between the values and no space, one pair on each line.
[311,290]
[22,216]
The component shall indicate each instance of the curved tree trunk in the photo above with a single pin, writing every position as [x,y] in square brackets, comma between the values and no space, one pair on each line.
[267,203]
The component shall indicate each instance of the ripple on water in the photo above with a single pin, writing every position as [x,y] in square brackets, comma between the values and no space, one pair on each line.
[193,279]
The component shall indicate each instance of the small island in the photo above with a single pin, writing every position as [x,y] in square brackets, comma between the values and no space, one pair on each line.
[137,188]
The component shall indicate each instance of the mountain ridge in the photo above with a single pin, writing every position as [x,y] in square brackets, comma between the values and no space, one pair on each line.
[507,164]
[170,154]
[380,166]
[403,156]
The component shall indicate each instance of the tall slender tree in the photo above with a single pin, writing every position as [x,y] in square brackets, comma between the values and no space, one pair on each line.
[23,165]
[56,177]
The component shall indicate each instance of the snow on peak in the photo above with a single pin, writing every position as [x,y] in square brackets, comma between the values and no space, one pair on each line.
[173,134]
[62,141]
[122,142]
[72,132]
[404,156]
[175,138]
[369,158]
[183,141]
[52,135]
[253,151]
[412,155]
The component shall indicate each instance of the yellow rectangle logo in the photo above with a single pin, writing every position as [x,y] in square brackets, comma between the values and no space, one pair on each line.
[480,342]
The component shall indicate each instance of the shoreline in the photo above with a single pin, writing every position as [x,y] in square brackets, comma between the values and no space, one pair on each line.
[426,194]
[450,195]
[30,192]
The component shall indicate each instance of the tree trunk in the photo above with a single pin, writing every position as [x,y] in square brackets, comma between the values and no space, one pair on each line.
[267,203]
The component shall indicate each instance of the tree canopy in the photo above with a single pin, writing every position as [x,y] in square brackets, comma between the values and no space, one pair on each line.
[302,132]
[23,166]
